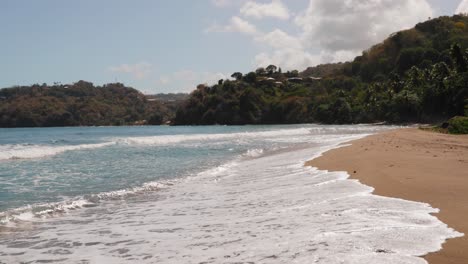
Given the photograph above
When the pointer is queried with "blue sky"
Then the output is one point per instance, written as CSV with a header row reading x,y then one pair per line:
x,y
172,45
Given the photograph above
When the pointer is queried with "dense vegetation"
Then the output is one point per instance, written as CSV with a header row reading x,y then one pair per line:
x,y
416,75
79,104
455,125
168,97
458,125
169,102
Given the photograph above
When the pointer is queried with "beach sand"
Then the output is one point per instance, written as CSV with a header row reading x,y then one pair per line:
x,y
414,165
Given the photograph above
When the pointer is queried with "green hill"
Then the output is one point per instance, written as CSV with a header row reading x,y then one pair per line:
x,y
422,46
416,75
79,104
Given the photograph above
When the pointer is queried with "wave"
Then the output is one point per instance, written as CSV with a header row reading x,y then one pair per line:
x,y
349,129
333,216
254,153
32,151
172,139
45,210
42,210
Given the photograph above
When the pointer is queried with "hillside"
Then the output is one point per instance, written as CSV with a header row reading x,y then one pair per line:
x,y
324,70
79,104
169,102
416,75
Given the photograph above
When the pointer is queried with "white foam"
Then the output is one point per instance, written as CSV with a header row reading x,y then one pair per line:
x,y
173,139
253,153
37,211
27,151
43,210
270,209
288,135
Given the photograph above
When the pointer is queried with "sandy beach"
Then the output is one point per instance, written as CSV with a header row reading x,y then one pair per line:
x,y
415,165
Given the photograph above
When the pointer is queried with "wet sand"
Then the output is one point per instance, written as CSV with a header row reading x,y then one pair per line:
x,y
414,165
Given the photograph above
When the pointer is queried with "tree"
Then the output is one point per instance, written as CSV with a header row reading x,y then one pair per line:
x,y
413,76
260,71
81,103
292,74
405,107
271,69
237,76
251,77
458,58
251,104
409,58
155,119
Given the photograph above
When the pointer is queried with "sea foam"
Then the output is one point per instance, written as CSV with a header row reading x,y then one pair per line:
x,y
264,209
42,211
33,151
174,139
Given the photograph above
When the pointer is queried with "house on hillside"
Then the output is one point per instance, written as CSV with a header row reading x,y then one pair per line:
x,y
312,79
295,80
266,80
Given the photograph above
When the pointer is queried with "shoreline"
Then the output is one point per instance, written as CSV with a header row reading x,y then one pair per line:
x,y
414,165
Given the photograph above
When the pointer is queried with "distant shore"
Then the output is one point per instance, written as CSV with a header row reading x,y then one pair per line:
x,y
414,165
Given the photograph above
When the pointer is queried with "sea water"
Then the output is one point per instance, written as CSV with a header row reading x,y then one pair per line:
x,y
198,195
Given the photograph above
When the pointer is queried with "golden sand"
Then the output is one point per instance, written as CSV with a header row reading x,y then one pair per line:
x,y
414,165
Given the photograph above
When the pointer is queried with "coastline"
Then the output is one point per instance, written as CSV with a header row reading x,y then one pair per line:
x,y
414,165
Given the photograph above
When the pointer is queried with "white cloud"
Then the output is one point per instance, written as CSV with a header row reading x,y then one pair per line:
x,y
274,9
138,71
279,39
337,30
339,56
288,59
285,50
236,24
462,7
187,80
354,25
327,30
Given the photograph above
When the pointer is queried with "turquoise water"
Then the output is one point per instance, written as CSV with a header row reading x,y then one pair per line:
x,y
35,168
212,194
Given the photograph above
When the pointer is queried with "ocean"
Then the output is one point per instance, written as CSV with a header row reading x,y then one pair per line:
x,y
214,194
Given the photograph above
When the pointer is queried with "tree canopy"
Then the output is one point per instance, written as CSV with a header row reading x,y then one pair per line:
x,y
78,104
416,75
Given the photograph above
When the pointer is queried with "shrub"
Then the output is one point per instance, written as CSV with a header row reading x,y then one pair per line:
x,y
458,125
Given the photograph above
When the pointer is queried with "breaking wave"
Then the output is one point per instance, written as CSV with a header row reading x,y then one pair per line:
x,y
43,210
172,139
32,151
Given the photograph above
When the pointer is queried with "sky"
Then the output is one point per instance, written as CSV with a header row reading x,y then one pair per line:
x,y
169,46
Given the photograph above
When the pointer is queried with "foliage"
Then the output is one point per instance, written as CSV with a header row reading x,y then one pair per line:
x,y
79,104
458,125
416,75
425,44
324,70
